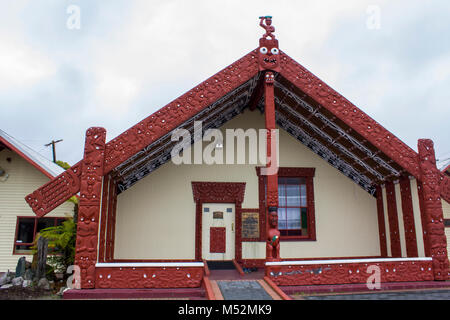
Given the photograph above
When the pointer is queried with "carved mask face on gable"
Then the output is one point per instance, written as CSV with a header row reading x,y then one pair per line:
x,y
268,55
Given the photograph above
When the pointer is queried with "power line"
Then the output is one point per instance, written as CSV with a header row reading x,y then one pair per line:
x,y
53,147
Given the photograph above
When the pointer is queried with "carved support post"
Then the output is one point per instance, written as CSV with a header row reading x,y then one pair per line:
x,y
111,221
272,165
381,223
89,207
408,217
435,239
271,170
394,230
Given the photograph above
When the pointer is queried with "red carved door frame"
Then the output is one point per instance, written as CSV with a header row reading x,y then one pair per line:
x,y
218,192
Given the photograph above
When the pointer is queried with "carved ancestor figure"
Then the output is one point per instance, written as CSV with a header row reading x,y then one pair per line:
x,y
267,26
273,237
268,51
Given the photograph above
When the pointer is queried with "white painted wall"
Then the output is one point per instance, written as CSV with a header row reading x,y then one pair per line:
x,y
446,210
417,219
23,179
156,217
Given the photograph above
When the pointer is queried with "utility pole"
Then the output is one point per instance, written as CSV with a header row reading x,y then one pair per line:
x,y
53,147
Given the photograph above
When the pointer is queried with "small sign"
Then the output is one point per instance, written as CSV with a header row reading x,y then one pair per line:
x,y
250,225
217,215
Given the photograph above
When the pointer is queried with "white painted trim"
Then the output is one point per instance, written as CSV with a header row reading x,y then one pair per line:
x,y
309,262
148,264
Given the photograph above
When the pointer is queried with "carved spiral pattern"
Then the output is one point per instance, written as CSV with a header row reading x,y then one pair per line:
x,y
319,274
139,278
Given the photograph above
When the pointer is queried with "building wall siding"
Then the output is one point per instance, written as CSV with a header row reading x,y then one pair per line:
x,y
23,179
446,210
156,216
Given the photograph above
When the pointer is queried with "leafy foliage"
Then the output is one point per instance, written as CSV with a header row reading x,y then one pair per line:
x,y
61,244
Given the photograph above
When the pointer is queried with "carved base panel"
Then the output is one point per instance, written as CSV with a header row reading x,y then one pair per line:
x,y
148,277
348,273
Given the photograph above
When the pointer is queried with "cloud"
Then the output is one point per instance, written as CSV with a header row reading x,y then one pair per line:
x,y
129,59
22,66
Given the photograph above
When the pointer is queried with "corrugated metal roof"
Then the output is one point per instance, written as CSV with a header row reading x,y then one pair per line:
x,y
30,155
443,164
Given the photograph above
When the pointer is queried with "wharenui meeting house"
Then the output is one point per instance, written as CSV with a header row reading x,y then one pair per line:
x,y
299,182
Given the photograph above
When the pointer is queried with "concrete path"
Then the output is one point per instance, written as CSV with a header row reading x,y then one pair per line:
x,y
443,294
243,290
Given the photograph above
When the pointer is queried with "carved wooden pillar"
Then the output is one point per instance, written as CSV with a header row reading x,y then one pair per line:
x,y
271,170
436,240
103,219
408,217
111,221
89,206
269,62
381,223
272,165
394,230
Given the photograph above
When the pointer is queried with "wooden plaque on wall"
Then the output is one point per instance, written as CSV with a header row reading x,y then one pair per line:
x,y
250,225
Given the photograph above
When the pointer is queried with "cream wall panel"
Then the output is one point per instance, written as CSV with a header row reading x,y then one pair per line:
x,y
401,224
386,222
253,250
158,211
446,209
23,179
417,219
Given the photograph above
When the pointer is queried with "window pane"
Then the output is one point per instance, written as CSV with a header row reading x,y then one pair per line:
x,y
303,195
293,195
25,232
45,223
293,218
281,195
292,181
304,221
282,218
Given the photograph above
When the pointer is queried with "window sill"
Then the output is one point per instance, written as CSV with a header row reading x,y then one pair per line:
x,y
296,238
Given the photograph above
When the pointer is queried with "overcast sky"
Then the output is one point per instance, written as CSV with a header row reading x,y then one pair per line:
x,y
128,58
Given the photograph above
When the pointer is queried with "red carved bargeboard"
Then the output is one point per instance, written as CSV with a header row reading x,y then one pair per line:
x,y
61,188
217,240
168,118
148,277
55,192
89,205
436,241
350,114
318,274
